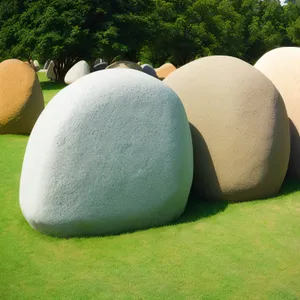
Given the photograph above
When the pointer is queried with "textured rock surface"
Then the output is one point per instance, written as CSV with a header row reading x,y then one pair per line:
x,y
50,71
80,69
111,153
21,98
239,126
149,70
100,66
282,68
125,65
165,70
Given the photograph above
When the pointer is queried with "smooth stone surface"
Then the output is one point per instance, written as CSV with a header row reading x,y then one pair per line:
x,y
80,69
124,64
165,70
149,70
239,126
50,71
282,68
111,153
21,97
100,66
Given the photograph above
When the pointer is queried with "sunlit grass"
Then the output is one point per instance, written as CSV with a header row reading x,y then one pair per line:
x,y
214,251
50,88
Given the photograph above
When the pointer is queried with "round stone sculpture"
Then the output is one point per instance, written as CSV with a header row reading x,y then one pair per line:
x,y
165,70
149,70
282,68
50,71
80,69
21,97
239,127
124,64
111,153
100,66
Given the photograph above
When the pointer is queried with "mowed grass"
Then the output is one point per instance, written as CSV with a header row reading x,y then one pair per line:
x,y
50,88
214,251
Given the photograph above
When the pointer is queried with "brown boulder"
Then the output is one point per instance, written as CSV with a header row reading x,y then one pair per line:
x,y
165,70
239,127
21,97
282,68
125,65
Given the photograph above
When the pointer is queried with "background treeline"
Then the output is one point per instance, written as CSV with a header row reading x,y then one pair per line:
x,y
153,31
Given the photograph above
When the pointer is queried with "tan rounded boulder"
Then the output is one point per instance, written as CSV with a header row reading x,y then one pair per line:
x,y
165,70
21,97
282,67
125,65
239,126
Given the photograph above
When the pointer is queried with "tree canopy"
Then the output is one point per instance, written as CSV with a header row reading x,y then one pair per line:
x,y
153,31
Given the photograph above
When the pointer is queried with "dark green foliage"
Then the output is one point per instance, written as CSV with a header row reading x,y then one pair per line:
x,y
152,31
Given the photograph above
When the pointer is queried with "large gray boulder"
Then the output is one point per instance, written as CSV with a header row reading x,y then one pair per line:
x,y
111,153
80,69
239,126
50,71
149,70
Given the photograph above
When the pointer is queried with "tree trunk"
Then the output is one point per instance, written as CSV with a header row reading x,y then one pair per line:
x,y
61,67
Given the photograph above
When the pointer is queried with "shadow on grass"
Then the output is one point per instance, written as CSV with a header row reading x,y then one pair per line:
x,y
289,186
197,209
51,85
198,206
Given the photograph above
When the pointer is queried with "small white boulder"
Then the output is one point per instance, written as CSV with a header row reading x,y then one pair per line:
x,y
50,71
36,65
80,69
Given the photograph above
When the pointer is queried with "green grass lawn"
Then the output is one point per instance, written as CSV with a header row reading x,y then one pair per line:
x,y
215,251
50,88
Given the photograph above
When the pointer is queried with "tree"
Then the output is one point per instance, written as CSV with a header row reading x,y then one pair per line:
x,y
152,31
56,30
266,29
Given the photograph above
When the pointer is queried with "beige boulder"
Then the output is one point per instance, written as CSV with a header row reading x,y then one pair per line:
x,y
282,67
239,127
165,70
21,97
125,65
